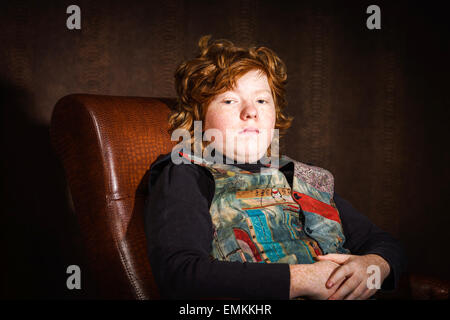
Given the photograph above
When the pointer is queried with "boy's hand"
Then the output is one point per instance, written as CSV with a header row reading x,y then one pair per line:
x,y
320,273
308,280
353,273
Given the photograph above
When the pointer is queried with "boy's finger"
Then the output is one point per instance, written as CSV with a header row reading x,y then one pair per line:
x,y
366,295
337,275
347,288
358,292
335,257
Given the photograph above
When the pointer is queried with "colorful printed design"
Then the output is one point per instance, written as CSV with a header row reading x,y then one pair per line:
x,y
259,217
316,177
248,247
315,206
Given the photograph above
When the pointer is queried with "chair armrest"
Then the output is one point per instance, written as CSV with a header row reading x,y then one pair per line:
x,y
418,286
427,287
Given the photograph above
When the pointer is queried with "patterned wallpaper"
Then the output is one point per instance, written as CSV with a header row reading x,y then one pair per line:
x,y
368,104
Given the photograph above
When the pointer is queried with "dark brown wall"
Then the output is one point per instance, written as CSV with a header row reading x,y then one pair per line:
x,y
370,106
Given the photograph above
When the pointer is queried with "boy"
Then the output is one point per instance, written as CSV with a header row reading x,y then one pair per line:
x,y
216,228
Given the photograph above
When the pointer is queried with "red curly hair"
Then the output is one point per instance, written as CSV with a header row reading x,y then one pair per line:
x,y
216,70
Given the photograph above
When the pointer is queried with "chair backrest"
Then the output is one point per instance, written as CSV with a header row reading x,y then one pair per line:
x,y
106,145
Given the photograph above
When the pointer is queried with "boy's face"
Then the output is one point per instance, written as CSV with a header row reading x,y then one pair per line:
x,y
245,115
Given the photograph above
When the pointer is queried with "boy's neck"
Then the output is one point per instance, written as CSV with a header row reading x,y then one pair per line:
x,y
227,160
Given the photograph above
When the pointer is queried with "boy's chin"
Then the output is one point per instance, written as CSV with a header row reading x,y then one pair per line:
x,y
249,157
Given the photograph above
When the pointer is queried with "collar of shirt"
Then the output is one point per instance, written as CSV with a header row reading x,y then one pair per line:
x,y
287,170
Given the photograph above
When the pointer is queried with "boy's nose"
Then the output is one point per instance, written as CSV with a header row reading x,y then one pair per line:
x,y
249,112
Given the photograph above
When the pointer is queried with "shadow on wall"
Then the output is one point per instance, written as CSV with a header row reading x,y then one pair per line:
x,y
40,232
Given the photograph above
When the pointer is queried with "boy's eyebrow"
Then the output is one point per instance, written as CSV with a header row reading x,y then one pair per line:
x,y
256,91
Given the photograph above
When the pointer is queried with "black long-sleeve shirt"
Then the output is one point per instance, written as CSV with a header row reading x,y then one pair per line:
x,y
179,235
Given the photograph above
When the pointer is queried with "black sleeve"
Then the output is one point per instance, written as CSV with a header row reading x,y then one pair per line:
x,y
364,237
179,236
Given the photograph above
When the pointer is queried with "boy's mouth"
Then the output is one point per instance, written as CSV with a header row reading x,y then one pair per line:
x,y
250,130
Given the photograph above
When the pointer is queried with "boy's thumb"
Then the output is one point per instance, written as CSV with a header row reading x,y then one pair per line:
x,y
338,258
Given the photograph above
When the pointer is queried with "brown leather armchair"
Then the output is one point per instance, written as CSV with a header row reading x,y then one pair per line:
x,y
106,145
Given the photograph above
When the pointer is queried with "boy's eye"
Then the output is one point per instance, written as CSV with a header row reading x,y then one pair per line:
x,y
228,101
261,101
